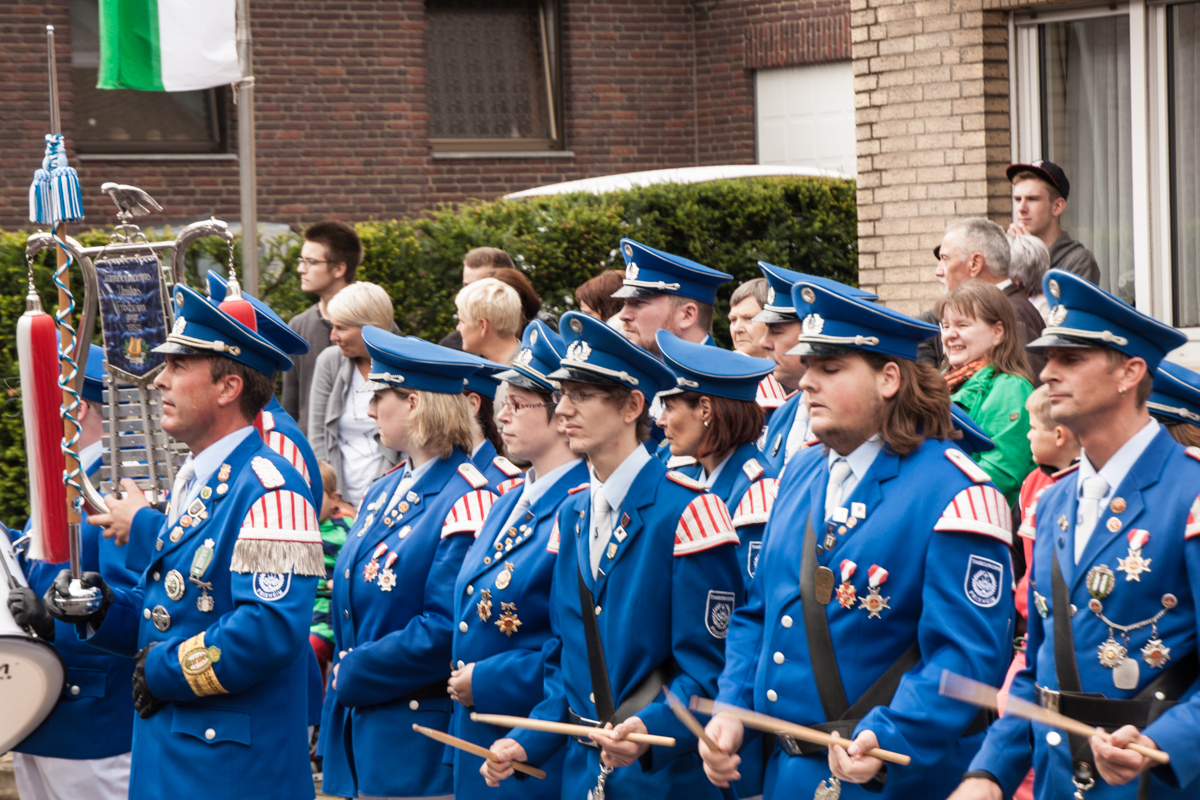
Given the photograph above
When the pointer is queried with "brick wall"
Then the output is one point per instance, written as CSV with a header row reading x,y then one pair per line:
x,y
342,114
931,94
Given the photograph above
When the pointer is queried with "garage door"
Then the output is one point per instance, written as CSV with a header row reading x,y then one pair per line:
x,y
804,116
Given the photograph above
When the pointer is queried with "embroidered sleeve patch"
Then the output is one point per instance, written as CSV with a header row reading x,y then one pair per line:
x,y
1193,520
705,523
978,509
268,474
280,534
718,611
196,661
507,486
963,461
471,475
287,448
685,481
507,467
755,505
552,545
753,469
469,513
983,581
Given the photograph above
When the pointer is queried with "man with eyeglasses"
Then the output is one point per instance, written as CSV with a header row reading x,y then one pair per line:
x,y
505,578
645,582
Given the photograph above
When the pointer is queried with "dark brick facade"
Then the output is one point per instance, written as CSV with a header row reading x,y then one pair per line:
x,y
342,109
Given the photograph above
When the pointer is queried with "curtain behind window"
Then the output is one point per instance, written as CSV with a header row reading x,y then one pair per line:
x,y
1185,158
1087,131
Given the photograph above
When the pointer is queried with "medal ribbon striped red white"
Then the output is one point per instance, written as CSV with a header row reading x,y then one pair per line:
x,y
391,559
380,549
847,568
876,576
1138,538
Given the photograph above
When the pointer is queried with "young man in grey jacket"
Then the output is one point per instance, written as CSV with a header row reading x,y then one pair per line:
x,y
1040,192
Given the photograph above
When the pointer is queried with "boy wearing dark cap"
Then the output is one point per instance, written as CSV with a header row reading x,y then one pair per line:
x,y
1040,192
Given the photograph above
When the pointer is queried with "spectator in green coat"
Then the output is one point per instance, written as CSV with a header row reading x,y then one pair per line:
x,y
989,377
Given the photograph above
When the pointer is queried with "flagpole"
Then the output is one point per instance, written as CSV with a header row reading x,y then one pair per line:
x,y
246,154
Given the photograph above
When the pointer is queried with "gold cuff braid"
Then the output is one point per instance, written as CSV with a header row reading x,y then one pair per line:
x,y
197,661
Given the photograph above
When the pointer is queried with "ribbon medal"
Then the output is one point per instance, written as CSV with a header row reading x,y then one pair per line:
x,y
1134,565
846,594
505,577
484,607
873,602
371,570
201,561
387,578
508,622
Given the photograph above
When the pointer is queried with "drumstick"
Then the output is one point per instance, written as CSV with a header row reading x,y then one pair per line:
x,y
689,720
980,694
762,722
474,749
581,731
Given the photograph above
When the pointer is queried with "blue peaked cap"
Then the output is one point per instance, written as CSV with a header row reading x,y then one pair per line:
x,y
486,379
93,376
203,329
595,352
710,370
779,307
1084,315
541,351
650,272
270,324
411,363
974,438
1175,397
833,321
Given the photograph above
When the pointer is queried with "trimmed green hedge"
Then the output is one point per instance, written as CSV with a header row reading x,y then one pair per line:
x,y
805,224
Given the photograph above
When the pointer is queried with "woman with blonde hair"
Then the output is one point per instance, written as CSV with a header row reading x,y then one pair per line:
x,y
989,377
339,427
393,586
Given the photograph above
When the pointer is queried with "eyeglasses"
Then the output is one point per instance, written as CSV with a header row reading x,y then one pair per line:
x,y
575,397
311,262
514,407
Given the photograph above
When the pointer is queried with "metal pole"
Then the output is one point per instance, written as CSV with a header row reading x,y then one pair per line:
x,y
246,155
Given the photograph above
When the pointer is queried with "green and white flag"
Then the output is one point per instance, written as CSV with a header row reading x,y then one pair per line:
x,y
167,45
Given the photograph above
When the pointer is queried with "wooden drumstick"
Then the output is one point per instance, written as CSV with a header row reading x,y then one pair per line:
x,y
762,722
985,696
567,729
689,720
469,747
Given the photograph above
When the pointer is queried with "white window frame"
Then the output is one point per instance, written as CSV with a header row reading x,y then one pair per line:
x,y
1150,138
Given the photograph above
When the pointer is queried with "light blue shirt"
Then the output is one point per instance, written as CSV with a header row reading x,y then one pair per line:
x,y
622,478
411,476
860,461
709,480
207,462
1116,468
533,490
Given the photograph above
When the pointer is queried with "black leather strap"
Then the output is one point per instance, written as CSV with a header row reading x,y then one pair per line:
x,y
816,627
431,691
1067,668
601,689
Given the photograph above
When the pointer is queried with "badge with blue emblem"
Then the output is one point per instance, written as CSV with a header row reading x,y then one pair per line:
x,y
271,586
752,558
983,581
717,613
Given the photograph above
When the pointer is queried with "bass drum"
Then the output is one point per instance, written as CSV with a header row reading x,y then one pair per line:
x,y
31,673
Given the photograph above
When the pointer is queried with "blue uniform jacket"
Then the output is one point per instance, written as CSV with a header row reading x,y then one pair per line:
x,y
232,724
397,641
1159,495
94,714
923,518
778,427
502,475
284,437
664,596
507,678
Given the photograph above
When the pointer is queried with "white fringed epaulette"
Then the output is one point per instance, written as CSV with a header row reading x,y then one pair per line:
x,y
705,523
472,475
268,474
675,462
287,448
686,482
978,509
507,467
280,534
507,486
469,513
755,505
268,420
963,461
753,469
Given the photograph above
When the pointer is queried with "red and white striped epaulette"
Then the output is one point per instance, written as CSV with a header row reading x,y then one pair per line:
x,y
268,421
469,513
507,486
1028,528
753,469
770,393
705,523
578,488
755,505
978,509
963,461
552,545
279,534
287,448
686,482
507,467
1193,520
472,475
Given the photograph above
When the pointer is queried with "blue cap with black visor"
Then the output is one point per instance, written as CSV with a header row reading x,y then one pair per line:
x,y
406,362
203,329
711,371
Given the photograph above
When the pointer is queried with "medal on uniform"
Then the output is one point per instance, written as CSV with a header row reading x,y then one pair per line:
x,y
174,584
1134,565
508,622
205,493
505,577
161,618
1111,652
874,603
224,472
846,593
371,570
222,488
197,509
201,561
828,790
1039,602
484,607
413,498
1100,581
823,583
387,578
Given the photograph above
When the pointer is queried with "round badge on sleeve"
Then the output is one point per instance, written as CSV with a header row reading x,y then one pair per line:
x,y
271,586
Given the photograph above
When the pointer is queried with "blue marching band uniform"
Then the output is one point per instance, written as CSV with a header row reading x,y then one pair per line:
x,y
747,586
